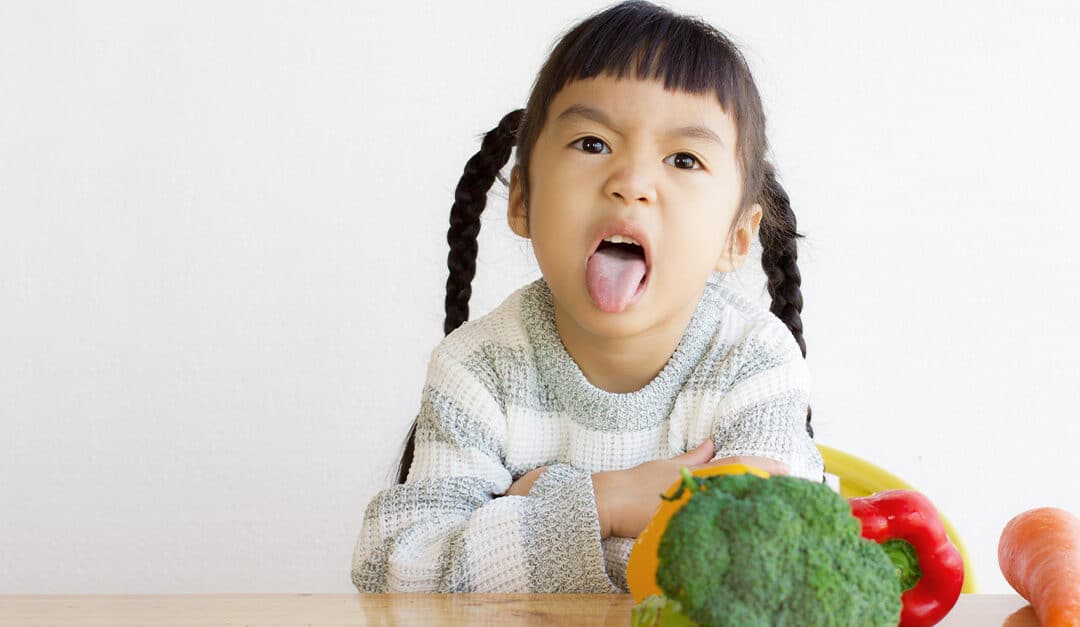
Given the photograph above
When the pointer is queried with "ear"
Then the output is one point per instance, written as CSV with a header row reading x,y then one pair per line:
x,y
517,214
731,259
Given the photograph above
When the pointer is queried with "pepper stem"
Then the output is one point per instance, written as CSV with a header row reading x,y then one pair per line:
x,y
688,480
905,559
689,483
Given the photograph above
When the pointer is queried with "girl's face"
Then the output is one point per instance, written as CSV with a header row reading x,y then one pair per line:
x,y
627,156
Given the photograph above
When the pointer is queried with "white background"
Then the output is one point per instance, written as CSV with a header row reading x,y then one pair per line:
x,y
222,261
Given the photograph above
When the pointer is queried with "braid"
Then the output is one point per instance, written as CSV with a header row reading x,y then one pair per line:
x,y
470,197
778,258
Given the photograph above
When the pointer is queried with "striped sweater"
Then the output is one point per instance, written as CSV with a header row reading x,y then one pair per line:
x,y
502,397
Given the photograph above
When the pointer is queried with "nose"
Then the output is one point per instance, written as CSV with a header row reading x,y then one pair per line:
x,y
632,179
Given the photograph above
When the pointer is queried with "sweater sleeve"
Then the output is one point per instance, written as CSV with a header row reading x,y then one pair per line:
x,y
447,529
764,413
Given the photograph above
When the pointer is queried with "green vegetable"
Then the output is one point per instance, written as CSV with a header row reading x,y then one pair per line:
x,y
658,611
747,551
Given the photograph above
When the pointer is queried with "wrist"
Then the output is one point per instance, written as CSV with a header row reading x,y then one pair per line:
x,y
602,490
525,483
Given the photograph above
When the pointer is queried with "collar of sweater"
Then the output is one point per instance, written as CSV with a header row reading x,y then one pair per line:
x,y
599,409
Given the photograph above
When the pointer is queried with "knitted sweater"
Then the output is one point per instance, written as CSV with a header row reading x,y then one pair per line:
x,y
502,397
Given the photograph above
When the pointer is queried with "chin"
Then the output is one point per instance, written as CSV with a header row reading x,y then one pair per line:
x,y
632,321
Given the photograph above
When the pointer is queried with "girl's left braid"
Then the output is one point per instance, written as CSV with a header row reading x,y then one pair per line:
x,y
779,256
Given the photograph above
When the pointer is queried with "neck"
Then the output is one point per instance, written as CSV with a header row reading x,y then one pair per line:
x,y
624,364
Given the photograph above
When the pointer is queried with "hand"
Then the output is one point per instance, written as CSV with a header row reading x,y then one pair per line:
x,y
771,466
627,499
525,482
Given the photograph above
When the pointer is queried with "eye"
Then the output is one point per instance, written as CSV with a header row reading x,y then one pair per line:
x,y
684,157
591,145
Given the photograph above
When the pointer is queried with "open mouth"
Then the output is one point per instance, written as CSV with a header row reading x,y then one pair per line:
x,y
617,275
628,247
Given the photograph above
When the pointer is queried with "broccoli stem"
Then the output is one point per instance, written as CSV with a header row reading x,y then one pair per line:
x,y
903,556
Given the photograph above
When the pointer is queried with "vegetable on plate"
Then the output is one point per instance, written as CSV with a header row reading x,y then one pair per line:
x,y
744,549
730,545
909,528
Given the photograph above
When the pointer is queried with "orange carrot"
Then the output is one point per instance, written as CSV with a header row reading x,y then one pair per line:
x,y
1039,554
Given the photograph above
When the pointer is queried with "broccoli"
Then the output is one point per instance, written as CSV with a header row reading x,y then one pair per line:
x,y
778,551
660,611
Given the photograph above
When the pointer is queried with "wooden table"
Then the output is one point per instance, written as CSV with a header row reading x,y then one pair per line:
x,y
394,609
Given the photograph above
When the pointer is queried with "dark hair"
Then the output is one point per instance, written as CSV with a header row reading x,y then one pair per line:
x,y
651,43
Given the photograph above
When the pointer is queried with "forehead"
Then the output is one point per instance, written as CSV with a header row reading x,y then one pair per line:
x,y
641,105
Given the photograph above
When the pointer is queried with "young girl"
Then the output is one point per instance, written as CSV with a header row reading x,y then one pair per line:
x,y
548,428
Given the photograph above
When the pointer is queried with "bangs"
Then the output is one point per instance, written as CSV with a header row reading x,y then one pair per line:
x,y
643,41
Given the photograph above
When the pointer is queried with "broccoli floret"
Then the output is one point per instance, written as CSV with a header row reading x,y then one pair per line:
x,y
749,551
658,611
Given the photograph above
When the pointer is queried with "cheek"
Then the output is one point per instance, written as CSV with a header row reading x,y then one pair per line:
x,y
700,240
560,207
700,230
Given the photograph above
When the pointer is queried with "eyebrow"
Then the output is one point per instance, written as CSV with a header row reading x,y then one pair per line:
x,y
697,131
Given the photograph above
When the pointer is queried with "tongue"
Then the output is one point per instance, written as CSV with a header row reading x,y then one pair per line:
x,y
613,275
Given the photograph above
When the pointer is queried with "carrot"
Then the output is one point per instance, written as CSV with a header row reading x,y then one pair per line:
x,y
1039,555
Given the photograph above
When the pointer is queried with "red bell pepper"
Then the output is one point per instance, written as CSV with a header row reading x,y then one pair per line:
x,y
909,528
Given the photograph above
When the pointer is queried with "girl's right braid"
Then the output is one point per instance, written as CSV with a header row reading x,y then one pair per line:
x,y
470,197
779,256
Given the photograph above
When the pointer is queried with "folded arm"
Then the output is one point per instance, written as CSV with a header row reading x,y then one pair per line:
x,y
447,529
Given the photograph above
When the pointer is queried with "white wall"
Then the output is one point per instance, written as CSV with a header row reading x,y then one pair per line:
x,y
222,261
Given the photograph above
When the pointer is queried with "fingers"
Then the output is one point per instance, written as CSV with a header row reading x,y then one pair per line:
x,y
771,466
699,455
